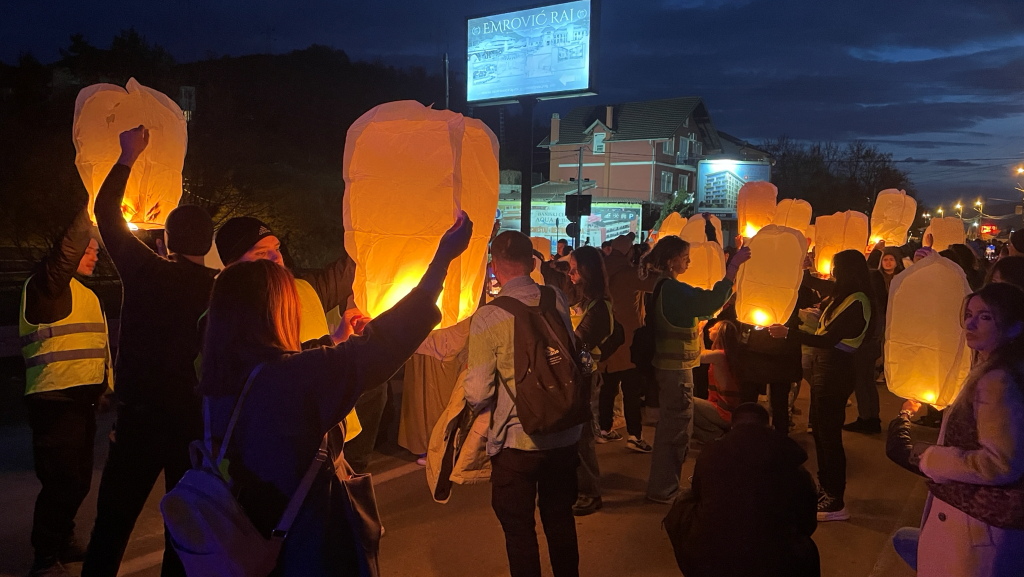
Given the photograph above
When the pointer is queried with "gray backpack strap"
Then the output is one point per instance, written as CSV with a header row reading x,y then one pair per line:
x,y
234,416
295,503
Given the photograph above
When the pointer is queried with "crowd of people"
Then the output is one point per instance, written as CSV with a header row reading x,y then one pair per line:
x,y
247,354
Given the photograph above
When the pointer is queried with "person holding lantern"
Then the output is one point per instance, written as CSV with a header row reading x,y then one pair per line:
x,y
843,327
973,522
159,413
678,309
297,397
63,332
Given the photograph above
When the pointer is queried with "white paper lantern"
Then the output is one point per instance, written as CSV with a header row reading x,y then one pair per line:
x,y
694,231
926,355
945,232
755,207
707,265
794,213
835,233
892,216
768,284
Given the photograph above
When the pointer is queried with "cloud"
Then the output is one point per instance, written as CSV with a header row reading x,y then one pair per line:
x,y
927,144
954,163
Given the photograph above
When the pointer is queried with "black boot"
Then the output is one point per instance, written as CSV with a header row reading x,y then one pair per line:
x,y
866,426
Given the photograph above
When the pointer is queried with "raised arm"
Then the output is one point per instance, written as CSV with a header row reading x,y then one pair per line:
x,y
52,277
128,253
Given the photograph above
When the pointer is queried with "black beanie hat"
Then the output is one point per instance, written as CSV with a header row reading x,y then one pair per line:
x,y
238,235
189,230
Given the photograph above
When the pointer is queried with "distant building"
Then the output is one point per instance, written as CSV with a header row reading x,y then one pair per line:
x,y
721,189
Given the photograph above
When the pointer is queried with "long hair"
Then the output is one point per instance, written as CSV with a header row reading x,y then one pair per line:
x,y
1007,302
253,316
1010,269
593,285
728,340
850,270
895,253
667,249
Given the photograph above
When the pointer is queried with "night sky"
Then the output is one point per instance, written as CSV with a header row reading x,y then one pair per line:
x,y
939,82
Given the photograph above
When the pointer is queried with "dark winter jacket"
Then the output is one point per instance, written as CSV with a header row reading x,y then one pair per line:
x,y
756,508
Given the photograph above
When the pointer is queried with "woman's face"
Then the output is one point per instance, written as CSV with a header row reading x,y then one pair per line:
x,y
680,263
574,273
983,333
888,263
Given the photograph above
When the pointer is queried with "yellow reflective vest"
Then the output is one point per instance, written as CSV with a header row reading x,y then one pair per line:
x,y
850,345
313,325
70,352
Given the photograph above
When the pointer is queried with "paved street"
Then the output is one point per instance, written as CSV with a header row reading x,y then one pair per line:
x,y
464,538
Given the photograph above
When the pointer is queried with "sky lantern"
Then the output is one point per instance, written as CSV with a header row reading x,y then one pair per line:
x,y
794,213
102,113
693,232
408,171
767,285
542,245
672,225
835,233
926,355
707,265
945,231
755,207
809,233
892,216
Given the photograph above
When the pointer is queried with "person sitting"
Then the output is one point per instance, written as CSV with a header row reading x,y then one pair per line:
x,y
297,397
751,490
712,417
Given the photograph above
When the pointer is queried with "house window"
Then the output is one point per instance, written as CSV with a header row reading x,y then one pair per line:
x,y
666,181
684,183
599,143
698,149
668,147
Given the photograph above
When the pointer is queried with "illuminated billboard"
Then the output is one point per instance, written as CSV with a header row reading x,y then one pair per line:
x,y
542,51
606,221
719,182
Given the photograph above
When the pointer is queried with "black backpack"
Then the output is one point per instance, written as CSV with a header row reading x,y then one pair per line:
x,y
641,350
553,394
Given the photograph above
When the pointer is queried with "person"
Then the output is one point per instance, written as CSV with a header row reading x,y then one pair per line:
x,y
1008,269
752,491
1016,244
677,309
246,239
158,413
890,265
63,333
298,396
562,248
524,466
973,521
971,264
868,419
842,330
592,321
617,370
712,416
606,247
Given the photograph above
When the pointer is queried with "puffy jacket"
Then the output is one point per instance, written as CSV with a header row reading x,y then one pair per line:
x,y
458,446
625,289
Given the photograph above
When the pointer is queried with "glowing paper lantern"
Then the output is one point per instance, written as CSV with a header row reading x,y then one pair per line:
x,y
892,216
694,233
794,213
836,233
926,355
102,113
755,207
768,284
707,265
809,233
672,225
409,170
945,231
542,245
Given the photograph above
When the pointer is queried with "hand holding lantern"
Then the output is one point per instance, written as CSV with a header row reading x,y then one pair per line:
x,y
133,143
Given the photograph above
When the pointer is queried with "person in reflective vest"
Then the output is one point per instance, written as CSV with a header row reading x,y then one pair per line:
x,y
63,337
246,239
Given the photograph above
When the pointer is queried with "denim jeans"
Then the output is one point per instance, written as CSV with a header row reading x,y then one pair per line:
x,y
672,435
588,473
905,543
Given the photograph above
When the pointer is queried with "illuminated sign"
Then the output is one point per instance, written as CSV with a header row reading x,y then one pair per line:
x,y
605,222
719,183
539,51
989,229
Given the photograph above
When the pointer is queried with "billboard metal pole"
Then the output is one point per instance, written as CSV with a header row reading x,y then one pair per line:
x,y
526,195
579,196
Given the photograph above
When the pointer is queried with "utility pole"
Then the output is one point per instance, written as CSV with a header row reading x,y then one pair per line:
x,y
579,196
526,195
447,91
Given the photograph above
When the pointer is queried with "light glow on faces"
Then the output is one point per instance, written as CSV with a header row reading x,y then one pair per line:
x,y
268,248
680,263
982,330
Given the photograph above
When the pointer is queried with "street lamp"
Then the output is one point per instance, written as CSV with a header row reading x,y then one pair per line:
x,y
940,211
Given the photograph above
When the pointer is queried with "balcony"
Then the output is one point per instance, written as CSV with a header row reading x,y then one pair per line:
x,y
687,159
